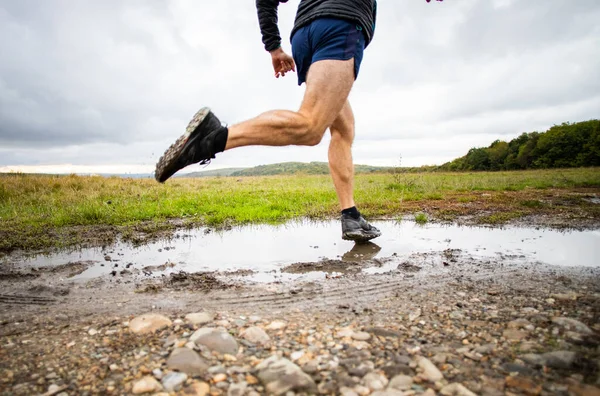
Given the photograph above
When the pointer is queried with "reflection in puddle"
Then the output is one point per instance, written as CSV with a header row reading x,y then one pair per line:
x,y
265,250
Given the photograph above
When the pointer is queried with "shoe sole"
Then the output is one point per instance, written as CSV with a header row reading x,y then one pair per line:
x,y
359,237
168,160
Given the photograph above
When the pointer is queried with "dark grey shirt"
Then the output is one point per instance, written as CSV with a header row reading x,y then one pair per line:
x,y
362,12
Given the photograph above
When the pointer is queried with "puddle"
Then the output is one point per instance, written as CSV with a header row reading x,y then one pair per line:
x,y
264,250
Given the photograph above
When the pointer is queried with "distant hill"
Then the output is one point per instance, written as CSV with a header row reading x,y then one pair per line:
x,y
284,168
212,173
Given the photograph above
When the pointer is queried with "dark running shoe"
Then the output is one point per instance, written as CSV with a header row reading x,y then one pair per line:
x,y
358,230
196,145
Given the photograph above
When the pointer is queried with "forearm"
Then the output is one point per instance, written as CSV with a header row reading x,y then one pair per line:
x,y
267,19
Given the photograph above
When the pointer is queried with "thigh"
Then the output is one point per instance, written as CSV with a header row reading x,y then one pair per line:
x,y
327,88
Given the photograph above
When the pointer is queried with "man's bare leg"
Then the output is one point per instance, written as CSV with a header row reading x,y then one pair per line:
x,y
340,156
328,85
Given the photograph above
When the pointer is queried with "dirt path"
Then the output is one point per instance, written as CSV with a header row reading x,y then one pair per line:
x,y
440,323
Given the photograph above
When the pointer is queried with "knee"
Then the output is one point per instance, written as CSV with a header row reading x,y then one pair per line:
x,y
314,136
345,135
314,133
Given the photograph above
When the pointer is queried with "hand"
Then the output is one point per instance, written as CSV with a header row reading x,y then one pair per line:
x,y
282,62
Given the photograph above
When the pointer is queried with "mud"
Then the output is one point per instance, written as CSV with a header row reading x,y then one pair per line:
x,y
303,273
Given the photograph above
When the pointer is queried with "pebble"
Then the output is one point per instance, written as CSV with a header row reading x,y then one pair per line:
x,y
518,324
199,318
362,390
456,389
146,385
277,325
345,391
256,335
361,336
237,389
414,315
219,378
345,332
279,376
173,381
401,382
196,389
524,384
148,323
375,381
556,359
157,373
572,324
430,371
215,339
514,335
187,361
388,392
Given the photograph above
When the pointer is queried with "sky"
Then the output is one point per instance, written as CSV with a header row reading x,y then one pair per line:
x,y
106,86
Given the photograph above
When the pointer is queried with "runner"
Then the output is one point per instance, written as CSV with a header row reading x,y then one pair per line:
x,y
328,40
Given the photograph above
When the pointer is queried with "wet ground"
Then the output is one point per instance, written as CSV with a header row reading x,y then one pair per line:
x,y
291,252
304,274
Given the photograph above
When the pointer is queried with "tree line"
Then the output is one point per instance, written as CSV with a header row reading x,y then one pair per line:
x,y
562,146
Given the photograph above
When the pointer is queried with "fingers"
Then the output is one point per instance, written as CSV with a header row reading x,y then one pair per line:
x,y
284,66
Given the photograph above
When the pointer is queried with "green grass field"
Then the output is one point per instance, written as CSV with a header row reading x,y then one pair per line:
x,y
35,208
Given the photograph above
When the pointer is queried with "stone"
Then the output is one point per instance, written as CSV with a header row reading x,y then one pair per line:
x,y
187,361
215,339
414,315
256,335
517,368
146,385
362,390
556,359
401,382
345,332
361,336
430,371
310,367
279,376
196,389
199,318
148,323
456,389
277,325
572,324
237,389
584,390
518,324
173,381
375,381
485,349
524,384
157,373
514,335
388,392
565,296
219,378
345,391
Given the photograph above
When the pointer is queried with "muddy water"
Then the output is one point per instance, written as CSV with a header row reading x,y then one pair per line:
x,y
265,250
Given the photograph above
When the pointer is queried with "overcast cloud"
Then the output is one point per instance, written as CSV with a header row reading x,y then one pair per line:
x,y
108,85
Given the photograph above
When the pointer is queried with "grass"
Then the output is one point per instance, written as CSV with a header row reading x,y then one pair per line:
x,y
420,218
45,211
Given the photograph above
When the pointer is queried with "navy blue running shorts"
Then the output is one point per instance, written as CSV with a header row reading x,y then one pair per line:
x,y
327,38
